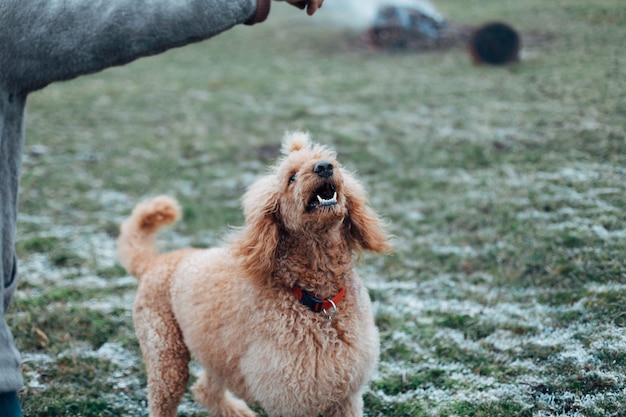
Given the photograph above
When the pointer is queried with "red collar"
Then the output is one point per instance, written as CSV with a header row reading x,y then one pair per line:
x,y
317,305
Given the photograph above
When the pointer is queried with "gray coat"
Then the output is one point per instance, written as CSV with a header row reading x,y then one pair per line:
x,y
43,41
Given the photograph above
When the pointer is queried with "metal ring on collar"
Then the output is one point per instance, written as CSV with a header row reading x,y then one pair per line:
x,y
334,313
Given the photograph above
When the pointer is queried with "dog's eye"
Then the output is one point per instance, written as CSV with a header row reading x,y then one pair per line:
x,y
292,178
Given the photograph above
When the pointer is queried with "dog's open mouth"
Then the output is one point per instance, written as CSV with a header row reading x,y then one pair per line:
x,y
324,196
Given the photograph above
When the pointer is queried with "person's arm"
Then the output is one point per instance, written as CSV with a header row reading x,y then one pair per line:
x,y
42,41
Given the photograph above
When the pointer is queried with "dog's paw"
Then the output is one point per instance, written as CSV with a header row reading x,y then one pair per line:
x,y
234,407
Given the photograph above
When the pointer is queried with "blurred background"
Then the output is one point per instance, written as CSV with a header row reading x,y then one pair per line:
x,y
503,184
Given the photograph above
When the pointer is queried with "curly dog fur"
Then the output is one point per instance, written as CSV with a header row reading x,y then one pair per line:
x,y
234,309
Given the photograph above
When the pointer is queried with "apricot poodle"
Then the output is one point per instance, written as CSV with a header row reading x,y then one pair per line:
x,y
277,317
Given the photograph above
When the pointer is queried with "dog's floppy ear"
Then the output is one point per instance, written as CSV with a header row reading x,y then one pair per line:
x,y
256,245
364,229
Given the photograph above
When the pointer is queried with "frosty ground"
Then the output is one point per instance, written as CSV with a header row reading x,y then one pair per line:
x,y
503,187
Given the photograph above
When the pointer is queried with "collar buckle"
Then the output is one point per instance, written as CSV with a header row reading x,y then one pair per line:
x,y
328,307
312,302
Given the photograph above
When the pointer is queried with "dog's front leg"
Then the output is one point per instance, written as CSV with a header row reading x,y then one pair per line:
x,y
218,400
349,407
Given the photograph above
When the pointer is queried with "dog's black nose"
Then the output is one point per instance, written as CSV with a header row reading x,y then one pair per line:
x,y
324,169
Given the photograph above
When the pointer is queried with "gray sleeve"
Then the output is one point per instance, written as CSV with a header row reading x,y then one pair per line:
x,y
42,41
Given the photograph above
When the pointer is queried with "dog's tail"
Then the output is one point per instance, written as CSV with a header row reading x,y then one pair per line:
x,y
137,241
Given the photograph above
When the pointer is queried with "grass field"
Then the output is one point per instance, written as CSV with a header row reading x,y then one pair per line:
x,y
504,187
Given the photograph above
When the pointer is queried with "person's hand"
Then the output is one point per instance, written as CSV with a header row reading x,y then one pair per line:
x,y
311,5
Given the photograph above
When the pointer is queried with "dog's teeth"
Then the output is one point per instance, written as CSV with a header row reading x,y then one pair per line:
x,y
328,202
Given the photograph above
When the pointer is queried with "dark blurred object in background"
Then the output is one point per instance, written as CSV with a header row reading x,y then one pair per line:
x,y
416,28
495,43
403,26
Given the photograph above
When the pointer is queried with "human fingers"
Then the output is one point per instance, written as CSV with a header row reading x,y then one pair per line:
x,y
313,6
299,4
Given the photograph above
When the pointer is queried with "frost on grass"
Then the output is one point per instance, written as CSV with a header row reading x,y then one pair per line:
x,y
473,329
505,347
456,333
457,327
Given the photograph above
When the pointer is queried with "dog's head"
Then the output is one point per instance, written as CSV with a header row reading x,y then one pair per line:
x,y
312,200
309,195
